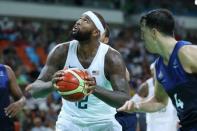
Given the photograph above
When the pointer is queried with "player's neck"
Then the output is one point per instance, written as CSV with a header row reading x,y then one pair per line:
x,y
167,45
87,47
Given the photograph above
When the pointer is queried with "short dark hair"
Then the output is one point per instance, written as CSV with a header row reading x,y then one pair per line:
x,y
107,31
161,19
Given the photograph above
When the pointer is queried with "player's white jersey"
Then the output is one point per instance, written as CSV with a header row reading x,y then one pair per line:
x,y
166,116
90,109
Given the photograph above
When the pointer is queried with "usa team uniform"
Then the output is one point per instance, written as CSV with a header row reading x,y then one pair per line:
x,y
90,114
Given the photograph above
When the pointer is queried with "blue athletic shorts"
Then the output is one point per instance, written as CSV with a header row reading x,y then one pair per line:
x,y
128,121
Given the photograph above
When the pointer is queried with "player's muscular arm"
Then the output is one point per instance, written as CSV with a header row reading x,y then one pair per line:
x,y
55,61
188,58
115,70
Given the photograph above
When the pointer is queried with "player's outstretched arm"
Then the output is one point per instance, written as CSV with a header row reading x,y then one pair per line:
x,y
16,93
141,93
115,73
153,104
55,61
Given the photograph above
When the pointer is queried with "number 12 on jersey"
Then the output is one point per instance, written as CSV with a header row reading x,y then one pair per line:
x,y
82,104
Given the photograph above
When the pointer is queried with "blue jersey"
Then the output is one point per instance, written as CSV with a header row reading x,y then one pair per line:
x,y
6,123
4,91
179,85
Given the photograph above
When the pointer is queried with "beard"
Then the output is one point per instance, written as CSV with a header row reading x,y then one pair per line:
x,y
81,36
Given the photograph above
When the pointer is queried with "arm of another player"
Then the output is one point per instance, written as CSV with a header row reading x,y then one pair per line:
x,y
141,93
115,69
153,104
16,93
143,89
55,61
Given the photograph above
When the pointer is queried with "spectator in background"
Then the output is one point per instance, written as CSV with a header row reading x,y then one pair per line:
x,y
38,125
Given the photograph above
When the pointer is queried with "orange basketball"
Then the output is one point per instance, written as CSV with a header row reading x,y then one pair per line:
x,y
71,87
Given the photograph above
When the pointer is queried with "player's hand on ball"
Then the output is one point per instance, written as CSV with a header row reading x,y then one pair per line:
x,y
129,107
73,84
90,83
58,76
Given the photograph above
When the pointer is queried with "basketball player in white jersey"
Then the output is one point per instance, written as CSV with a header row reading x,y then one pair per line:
x,y
164,120
96,111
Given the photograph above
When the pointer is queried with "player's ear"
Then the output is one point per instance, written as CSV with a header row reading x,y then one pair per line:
x,y
96,33
106,40
154,33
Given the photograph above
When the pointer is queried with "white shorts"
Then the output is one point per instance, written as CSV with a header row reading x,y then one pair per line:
x,y
165,126
66,125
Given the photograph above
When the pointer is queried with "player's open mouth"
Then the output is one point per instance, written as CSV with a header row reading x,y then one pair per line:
x,y
75,29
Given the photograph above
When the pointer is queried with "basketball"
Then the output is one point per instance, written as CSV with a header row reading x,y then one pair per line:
x,y
72,86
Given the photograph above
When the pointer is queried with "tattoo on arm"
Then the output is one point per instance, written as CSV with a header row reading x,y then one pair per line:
x,y
115,73
55,61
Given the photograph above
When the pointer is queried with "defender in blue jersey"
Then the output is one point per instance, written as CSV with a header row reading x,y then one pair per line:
x,y
9,87
176,70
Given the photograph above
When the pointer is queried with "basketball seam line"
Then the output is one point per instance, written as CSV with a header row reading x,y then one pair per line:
x,y
80,88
